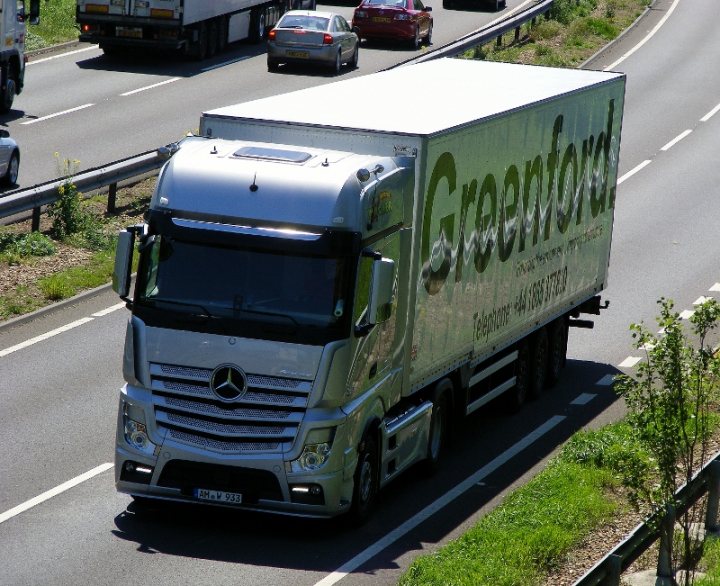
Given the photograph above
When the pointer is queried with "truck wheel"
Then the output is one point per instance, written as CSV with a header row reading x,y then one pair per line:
x,y
367,480
515,398
538,362
8,95
213,38
438,427
199,49
557,350
258,24
11,175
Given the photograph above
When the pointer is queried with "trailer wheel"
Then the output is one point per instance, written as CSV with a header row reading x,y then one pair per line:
x,y
258,25
366,480
538,362
557,350
516,397
213,37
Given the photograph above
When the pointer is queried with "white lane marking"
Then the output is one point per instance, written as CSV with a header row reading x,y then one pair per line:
x,y
583,399
149,87
439,504
687,314
44,336
630,361
223,64
60,330
109,310
701,300
606,381
70,111
710,114
715,287
675,140
629,174
54,492
646,39
35,62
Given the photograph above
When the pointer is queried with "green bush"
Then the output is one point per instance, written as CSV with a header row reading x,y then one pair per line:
x,y
18,246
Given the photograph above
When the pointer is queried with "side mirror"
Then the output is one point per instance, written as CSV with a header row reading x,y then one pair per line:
x,y
123,263
381,292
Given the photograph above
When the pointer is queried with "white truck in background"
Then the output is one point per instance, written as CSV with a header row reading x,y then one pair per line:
x,y
198,28
12,54
320,294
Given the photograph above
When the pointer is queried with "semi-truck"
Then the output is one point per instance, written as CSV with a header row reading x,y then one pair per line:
x,y
13,20
197,28
329,279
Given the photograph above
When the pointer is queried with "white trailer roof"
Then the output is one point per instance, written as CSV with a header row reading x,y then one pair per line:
x,y
453,92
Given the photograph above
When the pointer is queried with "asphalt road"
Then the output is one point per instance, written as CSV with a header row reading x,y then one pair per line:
x,y
60,369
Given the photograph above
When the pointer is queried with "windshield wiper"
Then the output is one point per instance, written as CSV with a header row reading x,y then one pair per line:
x,y
203,313
285,316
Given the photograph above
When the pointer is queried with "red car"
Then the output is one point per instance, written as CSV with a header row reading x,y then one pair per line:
x,y
407,20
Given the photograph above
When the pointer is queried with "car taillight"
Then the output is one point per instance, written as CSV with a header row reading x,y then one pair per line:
x,y
327,39
271,35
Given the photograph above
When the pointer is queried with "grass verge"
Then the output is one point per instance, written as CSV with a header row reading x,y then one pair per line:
x,y
57,25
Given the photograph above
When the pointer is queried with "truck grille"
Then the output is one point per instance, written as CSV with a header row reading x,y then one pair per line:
x,y
264,419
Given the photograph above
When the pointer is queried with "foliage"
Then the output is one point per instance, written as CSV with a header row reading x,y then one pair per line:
x,y
14,247
70,281
670,400
517,543
66,212
57,25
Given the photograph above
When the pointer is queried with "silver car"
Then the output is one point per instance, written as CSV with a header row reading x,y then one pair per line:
x,y
9,159
310,36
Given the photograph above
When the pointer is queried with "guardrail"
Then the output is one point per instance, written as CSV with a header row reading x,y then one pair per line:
x,y
108,175
608,570
34,198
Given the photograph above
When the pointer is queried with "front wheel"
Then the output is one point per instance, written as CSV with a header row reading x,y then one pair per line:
x,y
11,175
366,480
438,427
428,36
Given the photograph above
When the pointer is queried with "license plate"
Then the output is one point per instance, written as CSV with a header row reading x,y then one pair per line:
x,y
381,19
129,33
298,54
218,496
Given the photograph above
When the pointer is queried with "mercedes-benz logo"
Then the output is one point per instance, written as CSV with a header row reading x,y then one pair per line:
x,y
228,382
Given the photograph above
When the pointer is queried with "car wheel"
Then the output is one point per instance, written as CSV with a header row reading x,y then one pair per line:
x,y
337,66
355,57
428,36
11,175
272,65
415,42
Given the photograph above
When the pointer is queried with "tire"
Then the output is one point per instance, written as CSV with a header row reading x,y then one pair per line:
x,y
515,398
538,363
557,350
213,38
337,66
428,36
366,480
8,95
416,40
356,56
199,49
448,4
438,436
258,25
11,175
272,65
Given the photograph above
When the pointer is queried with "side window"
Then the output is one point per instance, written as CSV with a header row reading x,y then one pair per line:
x,y
419,5
362,290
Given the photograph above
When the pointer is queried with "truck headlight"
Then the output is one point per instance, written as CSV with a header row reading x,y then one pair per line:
x,y
136,434
316,451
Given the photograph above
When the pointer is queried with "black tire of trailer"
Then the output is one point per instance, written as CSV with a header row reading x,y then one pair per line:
x,y
213,37
258,24
198,49
438,437
9,89
557,350
538,362
366,481
516,397
223,24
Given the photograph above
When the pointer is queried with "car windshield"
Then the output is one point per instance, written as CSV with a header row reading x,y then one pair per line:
x,y
395,3
256,287
304,22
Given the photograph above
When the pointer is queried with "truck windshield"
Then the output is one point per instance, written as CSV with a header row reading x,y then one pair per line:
x,y
249,289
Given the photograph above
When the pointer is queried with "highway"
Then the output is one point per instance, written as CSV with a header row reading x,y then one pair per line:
x,y
61,521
